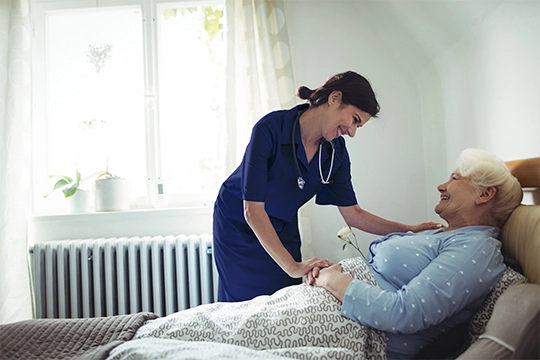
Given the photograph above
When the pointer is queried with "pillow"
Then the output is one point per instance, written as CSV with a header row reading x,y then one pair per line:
x,y
478,322
511,334
454,342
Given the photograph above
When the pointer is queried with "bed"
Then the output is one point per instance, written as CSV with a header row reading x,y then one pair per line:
x,y
300,322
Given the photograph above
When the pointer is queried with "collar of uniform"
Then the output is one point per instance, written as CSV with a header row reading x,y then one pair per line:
x,y
288,122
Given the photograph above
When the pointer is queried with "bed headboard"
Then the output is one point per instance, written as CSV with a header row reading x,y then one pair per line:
x,y
520,234
527,171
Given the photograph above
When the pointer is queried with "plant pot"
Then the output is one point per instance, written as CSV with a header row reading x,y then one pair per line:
x,y
112,194
79,202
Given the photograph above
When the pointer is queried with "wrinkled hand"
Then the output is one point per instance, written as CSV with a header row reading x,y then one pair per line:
x,y
318,276
303,268
426,226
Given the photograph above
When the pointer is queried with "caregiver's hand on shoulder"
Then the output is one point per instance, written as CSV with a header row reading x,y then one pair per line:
x,y
300,269
425,226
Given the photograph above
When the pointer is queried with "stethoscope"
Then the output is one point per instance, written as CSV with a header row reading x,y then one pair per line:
x,y
300,180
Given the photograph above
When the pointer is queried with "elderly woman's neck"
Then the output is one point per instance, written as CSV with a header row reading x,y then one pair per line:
x,y
480,221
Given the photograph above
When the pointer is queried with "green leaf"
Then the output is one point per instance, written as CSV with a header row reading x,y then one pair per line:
x,y
343,248
67,178
61,183
70,190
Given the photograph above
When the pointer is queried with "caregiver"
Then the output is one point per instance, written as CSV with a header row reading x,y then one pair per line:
x,y
292,156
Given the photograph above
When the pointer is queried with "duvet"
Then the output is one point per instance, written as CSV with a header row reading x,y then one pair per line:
x,y
301,322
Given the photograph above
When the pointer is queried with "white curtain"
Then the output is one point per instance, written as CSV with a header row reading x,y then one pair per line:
x,y
260,65
259,68
15,110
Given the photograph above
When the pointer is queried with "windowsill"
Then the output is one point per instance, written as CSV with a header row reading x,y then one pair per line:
x,y
139,222
133,214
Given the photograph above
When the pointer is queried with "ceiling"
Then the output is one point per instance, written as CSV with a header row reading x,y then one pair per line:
x,y
416,31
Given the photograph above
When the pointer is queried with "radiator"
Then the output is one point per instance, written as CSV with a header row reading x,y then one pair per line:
x,y
116,276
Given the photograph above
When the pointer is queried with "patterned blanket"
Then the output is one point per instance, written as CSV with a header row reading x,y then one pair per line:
x,y
295,322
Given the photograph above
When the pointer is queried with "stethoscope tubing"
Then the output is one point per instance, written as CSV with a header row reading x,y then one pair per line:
x,y
300,180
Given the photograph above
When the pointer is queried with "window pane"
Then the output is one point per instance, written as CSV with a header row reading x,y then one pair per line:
x,y
95,87
192,98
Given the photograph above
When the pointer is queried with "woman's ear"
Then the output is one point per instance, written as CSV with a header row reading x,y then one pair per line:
x,y
335,97
486,195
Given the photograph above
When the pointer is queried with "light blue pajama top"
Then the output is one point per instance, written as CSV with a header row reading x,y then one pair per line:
x,y
429,282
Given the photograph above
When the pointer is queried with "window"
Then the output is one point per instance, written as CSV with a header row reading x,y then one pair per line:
x,y
136,90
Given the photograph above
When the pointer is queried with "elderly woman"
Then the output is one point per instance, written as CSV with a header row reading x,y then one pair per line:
x,y
432,281
413,288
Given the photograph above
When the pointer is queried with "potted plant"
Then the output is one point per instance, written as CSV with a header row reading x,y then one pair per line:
x,y
112,193
74,190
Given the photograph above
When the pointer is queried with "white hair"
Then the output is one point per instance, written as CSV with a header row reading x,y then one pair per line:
x,y
484,169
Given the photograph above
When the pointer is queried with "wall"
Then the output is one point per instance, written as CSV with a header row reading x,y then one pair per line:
x,y
491,83
483,90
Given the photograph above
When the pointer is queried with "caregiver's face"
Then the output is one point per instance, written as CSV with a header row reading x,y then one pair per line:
x,y
344,120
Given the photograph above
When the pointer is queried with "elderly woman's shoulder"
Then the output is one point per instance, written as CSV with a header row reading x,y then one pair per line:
x,y
473,235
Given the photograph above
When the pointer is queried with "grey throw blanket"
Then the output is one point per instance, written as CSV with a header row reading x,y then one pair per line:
x,y
82,339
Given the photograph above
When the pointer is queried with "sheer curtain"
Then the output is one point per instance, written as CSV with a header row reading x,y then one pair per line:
x,y
15,72
260,65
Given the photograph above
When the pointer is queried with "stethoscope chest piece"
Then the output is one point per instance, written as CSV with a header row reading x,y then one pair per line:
x,y
301,182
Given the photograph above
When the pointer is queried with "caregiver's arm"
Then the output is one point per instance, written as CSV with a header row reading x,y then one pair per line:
x,y
258,220
361,219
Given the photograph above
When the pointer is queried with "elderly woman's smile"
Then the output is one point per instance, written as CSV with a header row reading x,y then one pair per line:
x,y
457,200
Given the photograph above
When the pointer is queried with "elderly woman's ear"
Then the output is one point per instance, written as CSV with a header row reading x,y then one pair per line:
x,y
486,195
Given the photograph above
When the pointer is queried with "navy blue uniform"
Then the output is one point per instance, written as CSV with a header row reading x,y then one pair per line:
x,y
268,174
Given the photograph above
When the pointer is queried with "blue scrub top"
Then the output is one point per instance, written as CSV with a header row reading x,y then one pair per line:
x,y
268,174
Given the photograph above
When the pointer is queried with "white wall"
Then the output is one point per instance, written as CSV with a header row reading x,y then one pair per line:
x,y
483,90
491,84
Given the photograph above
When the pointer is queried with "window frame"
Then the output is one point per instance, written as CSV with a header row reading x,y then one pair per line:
x,y
153,166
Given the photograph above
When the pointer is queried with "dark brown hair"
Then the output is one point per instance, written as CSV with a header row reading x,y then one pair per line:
x,y
356,90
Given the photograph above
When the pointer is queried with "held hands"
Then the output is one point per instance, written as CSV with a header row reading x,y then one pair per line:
x,y
318,277
425,226
299,269
332,279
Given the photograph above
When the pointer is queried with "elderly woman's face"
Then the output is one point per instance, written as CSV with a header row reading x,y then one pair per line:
x,y
457,199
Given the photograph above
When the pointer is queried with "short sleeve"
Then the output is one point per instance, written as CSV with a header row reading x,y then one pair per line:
x,y
340,191
257,158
